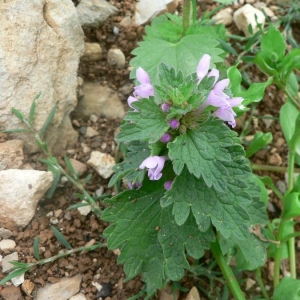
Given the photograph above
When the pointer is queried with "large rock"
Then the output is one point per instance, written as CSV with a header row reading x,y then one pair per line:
x,y
94,12
11,154
99,100
21,191
41,43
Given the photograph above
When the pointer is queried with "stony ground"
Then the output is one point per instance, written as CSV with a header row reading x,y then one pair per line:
x,y
100,267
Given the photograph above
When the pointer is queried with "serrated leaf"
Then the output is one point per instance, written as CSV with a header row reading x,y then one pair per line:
x,y
48,120
36,250
138,219
61,238
129,168
259,141
203,150
148,123
183,55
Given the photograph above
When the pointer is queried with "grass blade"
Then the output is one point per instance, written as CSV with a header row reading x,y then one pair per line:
x,y
36,250
18,114
70,167
60,237
32,108
87,179
14,274
15,130
48,121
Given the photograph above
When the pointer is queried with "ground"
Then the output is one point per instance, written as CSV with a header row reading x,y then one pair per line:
x,y
101,265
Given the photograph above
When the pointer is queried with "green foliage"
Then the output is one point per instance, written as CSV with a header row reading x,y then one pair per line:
x,y
60,237
259,141
288,288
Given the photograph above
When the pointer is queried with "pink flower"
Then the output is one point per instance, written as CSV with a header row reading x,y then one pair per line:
x,y
174,124
168,184
166,138
154,164
145,90
203,67
130,100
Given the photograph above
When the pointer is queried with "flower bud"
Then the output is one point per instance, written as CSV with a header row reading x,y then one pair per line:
x,y
174,124
165,107
166,138
168,184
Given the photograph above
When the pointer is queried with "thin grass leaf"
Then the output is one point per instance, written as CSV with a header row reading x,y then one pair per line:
x,y
18,264
102,197
227,47
77,205
18,114
54,185
14,274
70,167
60,237
48,121
36,250
32,108
15,130
87,179
80,196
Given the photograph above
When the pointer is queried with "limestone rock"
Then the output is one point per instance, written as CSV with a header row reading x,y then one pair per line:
x,y
7,244
62,290
78,296
92,52
99,100
102,163
94,12
21,191
11,293
18,280
245,16
5,233
193,294
116,57
6,265
78,166
224,16
146,10
39,52
11,154
90,132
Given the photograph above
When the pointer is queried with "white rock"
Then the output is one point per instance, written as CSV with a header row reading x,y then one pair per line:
x,y
94,12
268,120
79,167
102,163
11,154
6,265
80,83
7,244
126,21
92,52
21,191
116,57
40,51
5,233
62,290
90,132
84,210
79,296
18,280
245,16
93,118
250,283
193,294
99,100
224,16
268,12
146,10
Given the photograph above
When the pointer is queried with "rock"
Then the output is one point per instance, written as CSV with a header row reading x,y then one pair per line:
x,y
21,191
281,185
47,37
249,283
92,52
224,16
84,210
94,12
78,166
268,12
126,89
93,118
275,159
146,10
271,265
79,296
193,294
102,163
280,141
268,120
62,290
245,16
11,154
79,83
27,287
5,233
166,293
6,265
126,21
18,280
116,57
7,244
11,293
99,100
90,132
259,5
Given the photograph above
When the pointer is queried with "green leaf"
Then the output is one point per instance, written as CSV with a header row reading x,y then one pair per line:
x,y
60,237
262,64
160,256
149,122
87,179
48,121
36,250
129,168
32,108
183,55
18,114
203,151
14,274
225,1
56,178
273,46
235,78
264,196
259,141
288,288
70,167
15,130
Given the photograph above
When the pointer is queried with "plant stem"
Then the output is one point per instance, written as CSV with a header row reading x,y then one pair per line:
x,y
261,284
272,168
227,272
194,9
186,15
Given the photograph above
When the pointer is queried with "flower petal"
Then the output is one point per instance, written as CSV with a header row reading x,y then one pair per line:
x,y
203,67
130,100
235,101
226,115
216,100
214,73
221,85
150,162
142,76
144,91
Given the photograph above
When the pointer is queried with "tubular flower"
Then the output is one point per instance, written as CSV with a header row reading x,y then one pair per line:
x,y
145,90
165,107
203,67
154,164
166,138
168,184
130,100
174,124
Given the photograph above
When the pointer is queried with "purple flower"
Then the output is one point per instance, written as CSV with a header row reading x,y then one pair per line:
x,y
145,90
168,184
154,164
203,67
166,137
174,124
130,100
165,107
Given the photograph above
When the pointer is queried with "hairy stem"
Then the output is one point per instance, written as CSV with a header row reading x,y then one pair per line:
x,y
194,8
227,272
186,15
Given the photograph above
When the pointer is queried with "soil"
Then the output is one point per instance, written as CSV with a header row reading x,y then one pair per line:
x,y
101,265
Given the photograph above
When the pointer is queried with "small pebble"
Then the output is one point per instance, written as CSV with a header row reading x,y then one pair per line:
x,y
76,123
82,130
7,244
281,185
93,118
